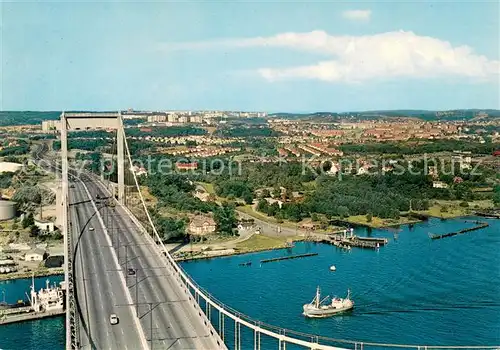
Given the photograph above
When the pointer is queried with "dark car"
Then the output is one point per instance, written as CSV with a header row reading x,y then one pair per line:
x,y
131,272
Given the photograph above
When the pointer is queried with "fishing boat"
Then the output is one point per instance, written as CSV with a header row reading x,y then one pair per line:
x,y
318,309
333,268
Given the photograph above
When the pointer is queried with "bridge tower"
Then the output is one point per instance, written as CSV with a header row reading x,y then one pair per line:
x,y
84,121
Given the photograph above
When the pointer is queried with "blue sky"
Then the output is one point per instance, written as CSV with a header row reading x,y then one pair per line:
x,y
269,56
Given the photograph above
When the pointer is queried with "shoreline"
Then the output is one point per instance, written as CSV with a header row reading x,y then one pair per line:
x,y
301,239
239,253
25,275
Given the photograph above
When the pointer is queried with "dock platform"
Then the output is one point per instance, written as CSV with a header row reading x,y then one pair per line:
x,y
28,316
345,241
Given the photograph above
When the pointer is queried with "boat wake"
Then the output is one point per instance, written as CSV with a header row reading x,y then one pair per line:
x,y
420,309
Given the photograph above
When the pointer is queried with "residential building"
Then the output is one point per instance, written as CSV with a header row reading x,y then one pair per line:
x,y
439,184
36,254
44,225
202,225
50,125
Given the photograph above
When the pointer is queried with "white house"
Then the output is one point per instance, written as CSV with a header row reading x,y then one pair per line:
x,y
44,225
439,184
202,226
36,254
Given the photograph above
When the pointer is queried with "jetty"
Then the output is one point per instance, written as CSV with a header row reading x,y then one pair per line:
x,y
487,214
479,225
347,240
289,257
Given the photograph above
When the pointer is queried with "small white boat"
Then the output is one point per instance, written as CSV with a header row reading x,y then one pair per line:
x,y
333,268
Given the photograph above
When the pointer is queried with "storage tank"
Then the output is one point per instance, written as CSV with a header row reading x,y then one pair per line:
x,y
7,210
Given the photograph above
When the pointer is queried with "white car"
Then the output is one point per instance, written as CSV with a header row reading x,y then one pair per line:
x,y
113,319
91,229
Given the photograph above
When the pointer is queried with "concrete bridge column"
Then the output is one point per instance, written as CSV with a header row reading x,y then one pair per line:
x,y
120,142
64,207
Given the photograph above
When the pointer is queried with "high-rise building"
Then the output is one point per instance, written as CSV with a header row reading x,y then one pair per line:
x,y
50,125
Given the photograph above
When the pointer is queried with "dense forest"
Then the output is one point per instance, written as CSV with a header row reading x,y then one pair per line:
x,y
175,191
21,148
496,195
384,196
84,144
378,194
6,179
8,118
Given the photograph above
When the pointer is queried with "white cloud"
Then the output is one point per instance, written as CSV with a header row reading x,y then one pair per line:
x,y
360,58
357,15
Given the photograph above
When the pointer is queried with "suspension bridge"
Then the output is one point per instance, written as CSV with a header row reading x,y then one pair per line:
x,y
116,263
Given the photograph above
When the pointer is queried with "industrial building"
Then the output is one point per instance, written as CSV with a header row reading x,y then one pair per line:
x,y
7,210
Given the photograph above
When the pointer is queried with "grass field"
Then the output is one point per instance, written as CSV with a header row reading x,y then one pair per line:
x,y
247,209
453,208
207,186
378,222
260,242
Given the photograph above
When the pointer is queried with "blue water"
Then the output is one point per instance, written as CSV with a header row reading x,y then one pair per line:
x,y
412,291
35,335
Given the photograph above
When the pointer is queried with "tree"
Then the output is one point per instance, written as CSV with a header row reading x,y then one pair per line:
x,y
314,217
225,219
34,231
28,220
496,195
343,211
265,193
276,192
262,206
248,197
369,217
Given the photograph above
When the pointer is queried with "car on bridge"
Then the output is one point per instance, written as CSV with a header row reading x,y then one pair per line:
x,y
113,319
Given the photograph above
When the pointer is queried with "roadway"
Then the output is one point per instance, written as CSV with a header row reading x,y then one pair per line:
x,y
100,290
174,322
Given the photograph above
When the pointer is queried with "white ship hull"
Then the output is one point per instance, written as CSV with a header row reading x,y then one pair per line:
x,y
317,309
312,312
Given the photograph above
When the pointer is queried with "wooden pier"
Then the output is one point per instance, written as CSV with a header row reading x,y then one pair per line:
x,y
480,225
288,257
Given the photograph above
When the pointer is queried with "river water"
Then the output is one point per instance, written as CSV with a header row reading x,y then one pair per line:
x,y
412,291
40,334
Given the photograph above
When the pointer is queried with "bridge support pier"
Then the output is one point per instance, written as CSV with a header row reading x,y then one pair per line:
x,y
120,150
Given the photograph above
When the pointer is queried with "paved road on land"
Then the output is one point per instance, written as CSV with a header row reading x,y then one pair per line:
x,y
99,286
174,322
